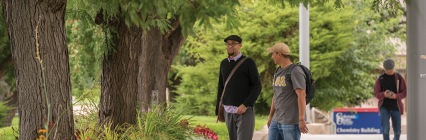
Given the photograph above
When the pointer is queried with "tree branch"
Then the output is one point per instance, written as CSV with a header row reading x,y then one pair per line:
x,y
175,23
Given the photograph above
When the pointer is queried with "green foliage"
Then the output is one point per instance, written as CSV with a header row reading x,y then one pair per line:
x,y
148,13
163,122
295,3
3,112
346,44
85,54
86,45
152,124
393,6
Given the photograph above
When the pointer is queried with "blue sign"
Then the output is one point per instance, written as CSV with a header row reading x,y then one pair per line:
x,y
365,121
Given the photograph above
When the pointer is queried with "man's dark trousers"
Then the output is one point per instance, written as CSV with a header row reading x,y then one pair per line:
x,y
240,126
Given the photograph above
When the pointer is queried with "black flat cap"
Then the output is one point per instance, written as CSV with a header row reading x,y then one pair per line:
x,y
233,37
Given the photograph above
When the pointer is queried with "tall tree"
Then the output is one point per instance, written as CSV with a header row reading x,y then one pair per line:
x,y
36,31
143,38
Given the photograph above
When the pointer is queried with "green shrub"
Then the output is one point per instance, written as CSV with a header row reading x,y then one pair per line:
x,y
161,123
153,124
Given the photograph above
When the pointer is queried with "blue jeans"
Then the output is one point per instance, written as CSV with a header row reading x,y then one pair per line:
x,y
385,115
280,131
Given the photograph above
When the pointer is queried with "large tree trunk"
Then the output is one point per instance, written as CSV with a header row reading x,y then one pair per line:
x,y
13,102
119,76
23,18
158,52
137,68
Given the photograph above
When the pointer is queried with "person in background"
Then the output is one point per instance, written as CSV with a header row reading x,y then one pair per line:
x,y
390,89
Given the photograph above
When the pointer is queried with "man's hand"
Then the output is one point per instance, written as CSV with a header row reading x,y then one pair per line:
x,y
393,96
303,127
387,95
241,109
217,118
269,123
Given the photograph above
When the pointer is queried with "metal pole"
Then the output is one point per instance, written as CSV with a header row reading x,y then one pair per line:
x,y
304,43
332,125
416,69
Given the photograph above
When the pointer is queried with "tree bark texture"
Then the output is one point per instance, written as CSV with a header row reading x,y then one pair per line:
x,y
22,18
13,102
155,60
138,66
119,76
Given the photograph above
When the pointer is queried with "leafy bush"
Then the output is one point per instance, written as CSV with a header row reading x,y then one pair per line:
x,y
152,124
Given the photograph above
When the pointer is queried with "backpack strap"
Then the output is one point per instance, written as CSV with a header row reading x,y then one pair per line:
x,y
381,78
398,82
288,73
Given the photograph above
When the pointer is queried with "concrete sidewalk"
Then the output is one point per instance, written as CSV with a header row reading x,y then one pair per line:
x,y
347,137
263,135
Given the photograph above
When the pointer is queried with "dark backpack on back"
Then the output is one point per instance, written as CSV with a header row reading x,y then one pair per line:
x,y
310,82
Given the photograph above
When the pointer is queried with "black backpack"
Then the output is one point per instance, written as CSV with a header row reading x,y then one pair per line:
x,y
310,82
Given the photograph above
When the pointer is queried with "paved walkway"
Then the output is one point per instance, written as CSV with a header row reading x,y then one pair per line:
x,y
347,137
263,135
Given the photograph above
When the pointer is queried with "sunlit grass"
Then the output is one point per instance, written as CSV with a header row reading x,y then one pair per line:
x,y
6,133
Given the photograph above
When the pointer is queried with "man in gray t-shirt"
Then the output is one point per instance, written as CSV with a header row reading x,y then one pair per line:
x,y
287,115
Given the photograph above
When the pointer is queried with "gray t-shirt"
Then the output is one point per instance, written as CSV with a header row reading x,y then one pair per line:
x,y
285,97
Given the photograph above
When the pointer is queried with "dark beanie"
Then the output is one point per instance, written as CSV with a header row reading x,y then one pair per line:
x,y
388,64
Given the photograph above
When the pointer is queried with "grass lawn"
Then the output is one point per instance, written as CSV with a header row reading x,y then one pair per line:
x,y
6,133
220,128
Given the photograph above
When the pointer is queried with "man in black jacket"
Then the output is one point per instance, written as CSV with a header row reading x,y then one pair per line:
x,y
241,91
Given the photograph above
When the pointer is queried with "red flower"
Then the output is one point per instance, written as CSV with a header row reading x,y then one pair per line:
x,y
205,131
